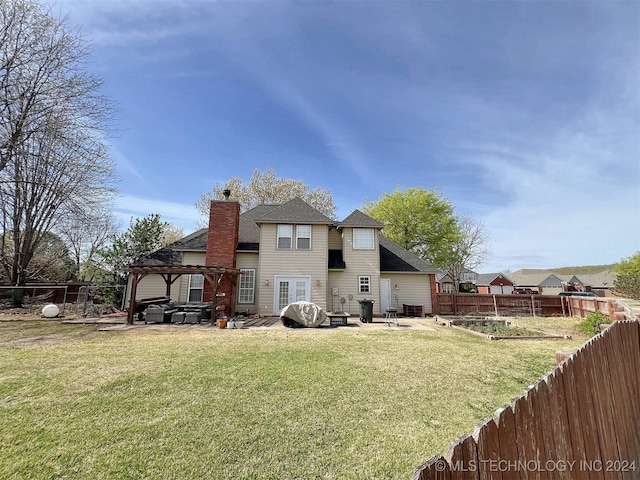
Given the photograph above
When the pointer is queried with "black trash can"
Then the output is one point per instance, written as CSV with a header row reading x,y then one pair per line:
x,y
366,311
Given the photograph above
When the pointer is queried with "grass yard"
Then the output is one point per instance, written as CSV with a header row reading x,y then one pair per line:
x,y
260,403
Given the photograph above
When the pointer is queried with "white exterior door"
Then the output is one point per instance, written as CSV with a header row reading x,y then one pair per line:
x,y
385,294
289,290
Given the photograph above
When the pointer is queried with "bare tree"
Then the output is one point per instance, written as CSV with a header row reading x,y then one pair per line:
x,y
465,251
266,188
85,234
53,122
41,71
171,233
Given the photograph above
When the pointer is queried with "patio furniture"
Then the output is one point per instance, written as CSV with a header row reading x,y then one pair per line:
x,y
412,310
159,313
302,314
391,316
143,304
192,317
338,319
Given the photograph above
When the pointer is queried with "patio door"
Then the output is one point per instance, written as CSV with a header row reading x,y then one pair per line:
x,y
289,290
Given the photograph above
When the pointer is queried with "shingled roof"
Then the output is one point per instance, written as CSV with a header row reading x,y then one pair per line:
x,y
394,258
487,278
195,242
295,210
249,231
360,220
164,256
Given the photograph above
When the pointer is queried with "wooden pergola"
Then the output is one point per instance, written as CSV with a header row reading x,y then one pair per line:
x,y
170,273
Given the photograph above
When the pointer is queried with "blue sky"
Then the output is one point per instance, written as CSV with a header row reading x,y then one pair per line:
x,y
524,114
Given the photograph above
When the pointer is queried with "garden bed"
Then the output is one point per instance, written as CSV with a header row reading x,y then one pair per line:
x,y
495,329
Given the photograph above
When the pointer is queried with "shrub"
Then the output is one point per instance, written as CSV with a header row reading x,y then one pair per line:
x,y
591,324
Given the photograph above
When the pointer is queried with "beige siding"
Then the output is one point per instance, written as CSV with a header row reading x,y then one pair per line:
x,y
305,263
149,287
358,263
188,258
249,261
335,239
413,289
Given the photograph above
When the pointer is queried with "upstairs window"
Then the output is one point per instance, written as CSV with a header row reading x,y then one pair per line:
x,y
363,238
285,234
303,237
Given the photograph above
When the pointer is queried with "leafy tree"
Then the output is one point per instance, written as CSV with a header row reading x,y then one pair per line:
x,y
420,220
53,122
627,282
144,236
51,261
266,188
424,222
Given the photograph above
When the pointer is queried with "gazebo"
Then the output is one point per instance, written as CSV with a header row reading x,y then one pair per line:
x,y
170,273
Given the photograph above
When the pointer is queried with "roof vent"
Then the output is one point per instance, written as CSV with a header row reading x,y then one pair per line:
x,y
227,193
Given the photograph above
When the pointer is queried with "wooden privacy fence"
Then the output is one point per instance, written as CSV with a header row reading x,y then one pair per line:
x,y
581,421
525,305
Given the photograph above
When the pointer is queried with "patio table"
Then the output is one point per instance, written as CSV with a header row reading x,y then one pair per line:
x,y
338,319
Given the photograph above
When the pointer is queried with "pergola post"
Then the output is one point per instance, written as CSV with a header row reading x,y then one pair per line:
x,y
132,298
215,281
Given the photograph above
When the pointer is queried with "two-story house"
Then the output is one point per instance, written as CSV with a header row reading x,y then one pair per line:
x,y
292,252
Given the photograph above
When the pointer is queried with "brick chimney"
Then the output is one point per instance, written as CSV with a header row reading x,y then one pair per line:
x,y
222,239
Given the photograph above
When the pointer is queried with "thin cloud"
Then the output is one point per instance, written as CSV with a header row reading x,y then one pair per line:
x,y
180,215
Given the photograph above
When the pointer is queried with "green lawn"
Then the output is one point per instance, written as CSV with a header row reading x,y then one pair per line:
x,y
256,403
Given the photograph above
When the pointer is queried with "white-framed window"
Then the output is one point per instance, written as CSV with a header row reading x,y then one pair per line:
x,y
246,292
447,288
364,284
363,238
196,286
303,237
285,234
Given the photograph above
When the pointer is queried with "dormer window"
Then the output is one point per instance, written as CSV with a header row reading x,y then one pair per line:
x,y
363,238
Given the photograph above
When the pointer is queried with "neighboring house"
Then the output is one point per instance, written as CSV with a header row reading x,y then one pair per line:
x,y
543,281
494,283
292,252
571,283
445,283
600,283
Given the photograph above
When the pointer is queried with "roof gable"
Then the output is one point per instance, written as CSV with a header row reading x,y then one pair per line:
x,y
359,219
295,210
488,278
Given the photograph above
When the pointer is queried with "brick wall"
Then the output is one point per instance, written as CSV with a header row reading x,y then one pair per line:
x,y
224,218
